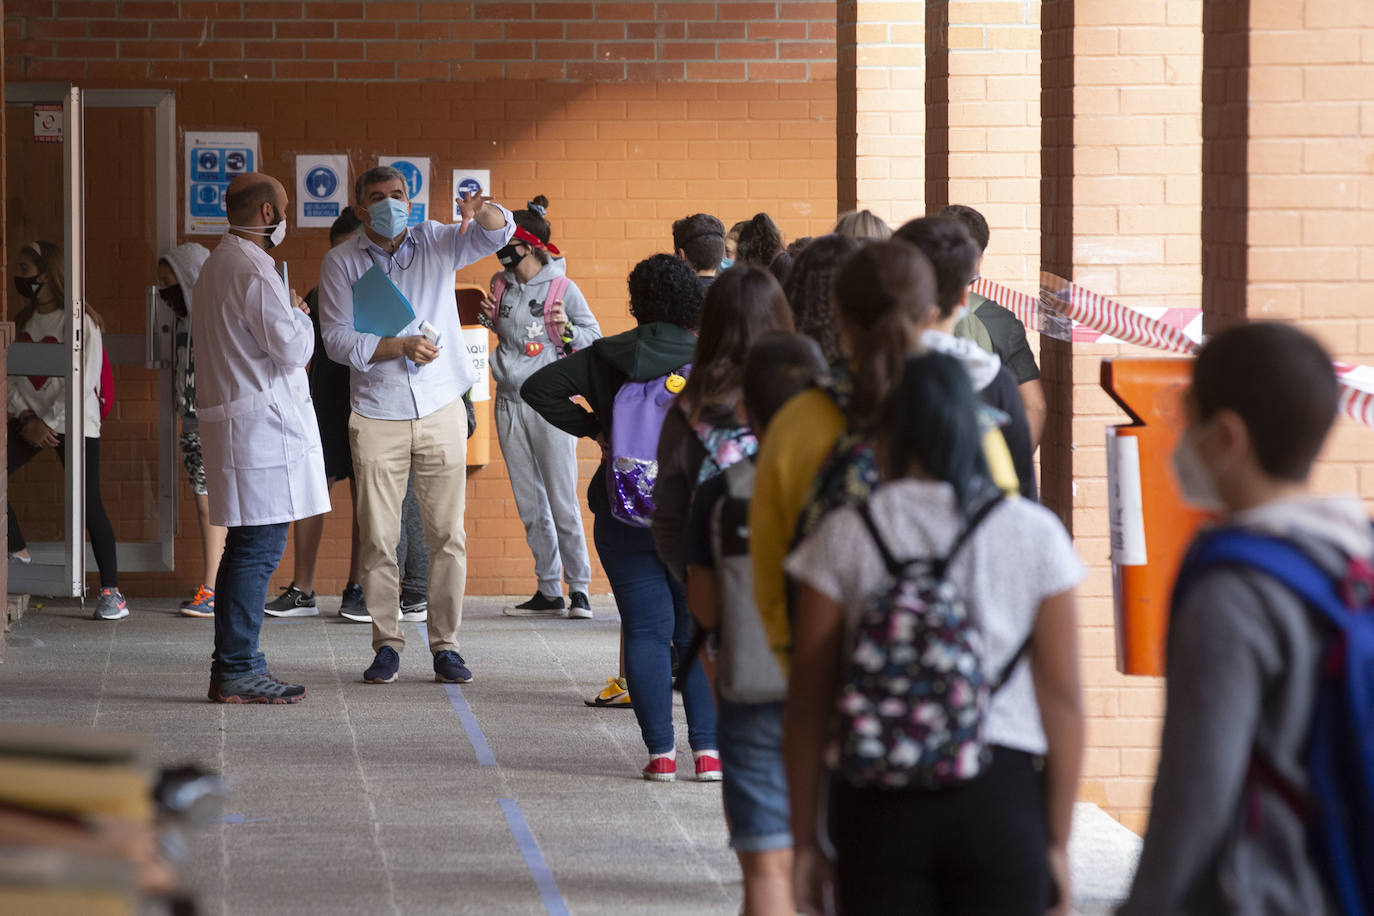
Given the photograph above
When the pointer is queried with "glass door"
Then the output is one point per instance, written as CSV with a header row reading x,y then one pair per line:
x,y
118,166
55,567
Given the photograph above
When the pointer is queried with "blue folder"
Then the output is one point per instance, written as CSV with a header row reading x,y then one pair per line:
x,y
378,306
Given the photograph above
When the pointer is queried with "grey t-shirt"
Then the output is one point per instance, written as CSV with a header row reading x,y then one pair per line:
x,y
1019,556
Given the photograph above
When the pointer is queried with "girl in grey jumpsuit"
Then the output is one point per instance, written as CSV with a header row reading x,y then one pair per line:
x,y
541,459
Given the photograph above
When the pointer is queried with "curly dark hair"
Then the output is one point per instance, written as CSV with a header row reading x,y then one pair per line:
x,y
665,288
760,240
808,292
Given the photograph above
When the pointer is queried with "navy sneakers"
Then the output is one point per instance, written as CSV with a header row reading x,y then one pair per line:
x,y
385,667
449,668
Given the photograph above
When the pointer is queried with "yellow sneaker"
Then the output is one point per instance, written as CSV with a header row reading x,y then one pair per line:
x,y
615,696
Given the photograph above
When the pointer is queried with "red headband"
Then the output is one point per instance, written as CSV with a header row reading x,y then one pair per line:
x,y
529,238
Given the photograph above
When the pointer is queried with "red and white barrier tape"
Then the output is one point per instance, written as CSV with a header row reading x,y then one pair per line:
x,y
1064,309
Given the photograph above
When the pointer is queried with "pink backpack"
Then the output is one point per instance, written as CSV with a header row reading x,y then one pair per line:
x,y
557,288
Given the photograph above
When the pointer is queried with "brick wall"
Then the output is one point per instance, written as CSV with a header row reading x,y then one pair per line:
x,y
316,40
620,151
1122,159
1309,193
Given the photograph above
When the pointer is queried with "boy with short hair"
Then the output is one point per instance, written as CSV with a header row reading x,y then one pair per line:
x,y
750,683
1245,652
996,328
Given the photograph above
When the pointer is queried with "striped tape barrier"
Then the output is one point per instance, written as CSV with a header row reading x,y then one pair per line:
x,y
1066,311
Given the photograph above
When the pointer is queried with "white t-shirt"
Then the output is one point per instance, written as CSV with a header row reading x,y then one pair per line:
x,y
1019,556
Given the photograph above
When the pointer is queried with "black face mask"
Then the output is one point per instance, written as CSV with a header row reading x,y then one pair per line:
x,y
28,287
509,257
175,298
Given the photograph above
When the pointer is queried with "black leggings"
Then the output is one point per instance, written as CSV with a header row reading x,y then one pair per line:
x,y
981,848
97,522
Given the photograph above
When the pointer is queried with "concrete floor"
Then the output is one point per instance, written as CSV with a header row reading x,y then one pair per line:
x,y
507,796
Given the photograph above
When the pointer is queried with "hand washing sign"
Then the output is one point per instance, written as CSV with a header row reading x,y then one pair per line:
x,y
321,190
213,159
415,169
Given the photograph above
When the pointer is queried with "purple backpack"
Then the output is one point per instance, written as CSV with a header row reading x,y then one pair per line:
x,y
637,416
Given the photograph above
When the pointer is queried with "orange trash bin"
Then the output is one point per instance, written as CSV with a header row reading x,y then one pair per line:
x,y
477,341
1150,524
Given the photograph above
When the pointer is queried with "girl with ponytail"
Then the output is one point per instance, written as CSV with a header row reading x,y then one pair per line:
x,y
1016,574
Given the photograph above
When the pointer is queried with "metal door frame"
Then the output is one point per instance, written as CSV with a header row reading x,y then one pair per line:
x,y
75,558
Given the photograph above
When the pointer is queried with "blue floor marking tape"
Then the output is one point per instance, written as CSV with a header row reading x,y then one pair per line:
x,y
465,715
474,731
534,859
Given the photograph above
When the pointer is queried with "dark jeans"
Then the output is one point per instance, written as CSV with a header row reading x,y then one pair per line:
x,y
653,614
981,848
251,555
412,553
97,522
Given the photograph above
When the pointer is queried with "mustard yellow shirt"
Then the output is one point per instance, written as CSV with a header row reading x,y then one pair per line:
x,y
795,445
799,438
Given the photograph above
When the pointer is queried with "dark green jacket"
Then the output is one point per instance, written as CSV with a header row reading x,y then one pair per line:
x,y
596,374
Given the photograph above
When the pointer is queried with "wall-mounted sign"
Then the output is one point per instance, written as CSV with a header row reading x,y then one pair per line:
x,y
416,172
47,122
321,190
213,159
469,181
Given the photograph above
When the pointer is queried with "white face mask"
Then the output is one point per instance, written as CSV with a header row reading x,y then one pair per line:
x,y
1195,482
275,234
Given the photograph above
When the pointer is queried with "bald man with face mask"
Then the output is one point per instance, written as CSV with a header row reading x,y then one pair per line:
x,y
264,466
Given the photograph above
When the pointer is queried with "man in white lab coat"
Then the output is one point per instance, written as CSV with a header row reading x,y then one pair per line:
x,y
263,463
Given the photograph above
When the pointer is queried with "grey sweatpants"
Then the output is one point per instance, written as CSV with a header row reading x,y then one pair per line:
x,y
412,553
542,462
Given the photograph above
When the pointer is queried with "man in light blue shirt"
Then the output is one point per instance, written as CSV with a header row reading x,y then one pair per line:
x,y
406,395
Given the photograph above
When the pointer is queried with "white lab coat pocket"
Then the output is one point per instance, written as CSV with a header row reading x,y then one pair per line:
x,y
272,436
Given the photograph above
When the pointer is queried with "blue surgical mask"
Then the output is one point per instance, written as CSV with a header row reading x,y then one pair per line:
x,y
389,217
727,263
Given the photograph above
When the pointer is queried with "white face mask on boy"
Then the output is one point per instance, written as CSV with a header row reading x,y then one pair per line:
x,y
1195,482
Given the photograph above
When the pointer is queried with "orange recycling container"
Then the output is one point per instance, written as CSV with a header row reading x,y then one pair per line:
x,y
1150,524
477,340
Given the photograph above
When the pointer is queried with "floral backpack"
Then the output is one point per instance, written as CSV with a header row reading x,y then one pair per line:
x,y
725,446
913,700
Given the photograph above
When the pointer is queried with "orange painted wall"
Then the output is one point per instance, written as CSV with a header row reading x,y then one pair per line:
x,y
620,158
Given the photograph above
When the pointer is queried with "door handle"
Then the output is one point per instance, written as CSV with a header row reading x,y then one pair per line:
x,y
152,358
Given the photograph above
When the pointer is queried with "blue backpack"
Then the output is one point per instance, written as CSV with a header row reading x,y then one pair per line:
x,y
1340,751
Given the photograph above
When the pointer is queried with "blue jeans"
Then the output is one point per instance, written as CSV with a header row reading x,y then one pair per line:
x,y
755,789
251,555
653,615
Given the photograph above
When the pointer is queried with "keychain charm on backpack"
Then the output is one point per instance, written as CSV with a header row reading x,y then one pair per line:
x,y
674,383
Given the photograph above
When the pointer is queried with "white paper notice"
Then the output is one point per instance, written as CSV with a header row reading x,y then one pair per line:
x,y
321,190
416,172
1125,504
475,339
213,159
469,181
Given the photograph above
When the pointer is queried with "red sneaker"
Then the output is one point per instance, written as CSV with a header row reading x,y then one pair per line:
x,y
661,769
708,768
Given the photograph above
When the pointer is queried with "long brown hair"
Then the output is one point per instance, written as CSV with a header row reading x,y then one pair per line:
x,y
743,304
884,295
47,258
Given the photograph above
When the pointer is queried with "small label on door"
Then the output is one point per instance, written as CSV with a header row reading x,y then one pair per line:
x,y
47,122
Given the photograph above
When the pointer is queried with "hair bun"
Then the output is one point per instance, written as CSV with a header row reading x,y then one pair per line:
x,y
539,205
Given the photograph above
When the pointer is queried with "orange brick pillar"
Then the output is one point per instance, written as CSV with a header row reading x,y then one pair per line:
x,y
880,112
983,124
1121,128
1288,94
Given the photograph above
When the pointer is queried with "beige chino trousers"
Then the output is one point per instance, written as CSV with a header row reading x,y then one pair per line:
x,y
384,452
